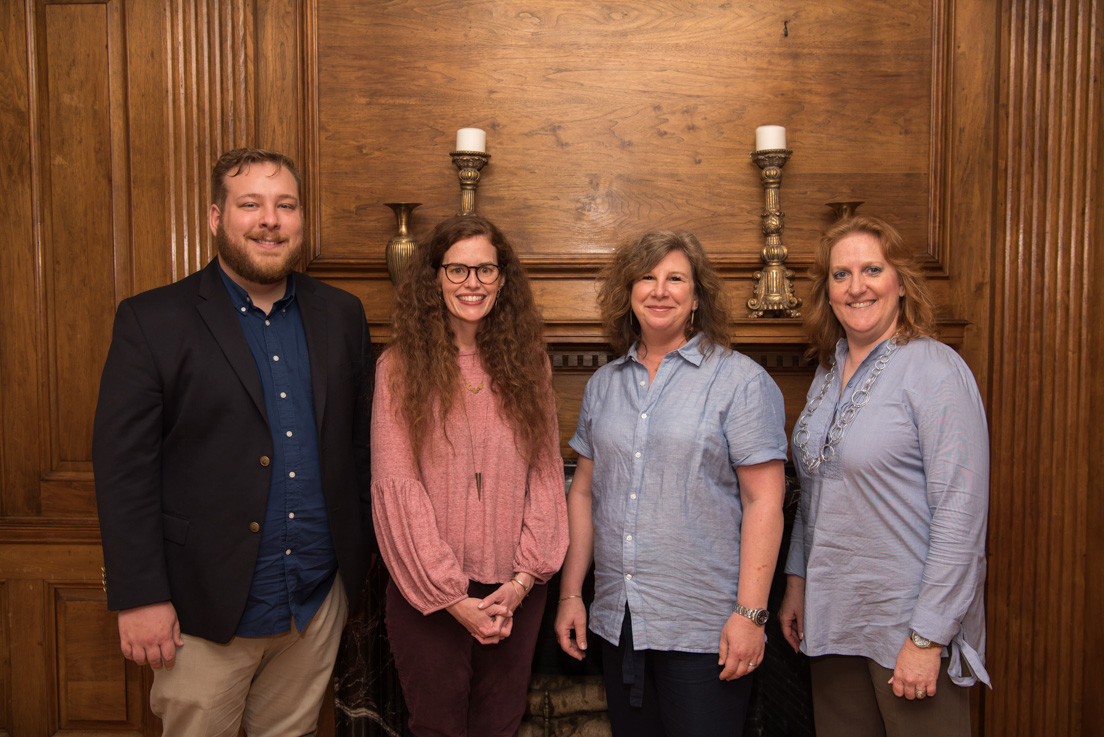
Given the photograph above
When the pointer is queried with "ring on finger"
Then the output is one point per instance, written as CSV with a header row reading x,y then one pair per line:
x,y
920,693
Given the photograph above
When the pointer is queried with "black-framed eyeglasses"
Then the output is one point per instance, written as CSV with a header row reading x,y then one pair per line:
x,y
458,273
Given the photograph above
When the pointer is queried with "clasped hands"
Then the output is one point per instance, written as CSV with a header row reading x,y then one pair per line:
x,y
490,620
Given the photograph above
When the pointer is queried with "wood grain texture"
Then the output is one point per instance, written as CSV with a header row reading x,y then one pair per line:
x,y
975,126
5,663
1093,716
76,117
970,207
604,121
210,72
34,708
1040,373
91,669
21,441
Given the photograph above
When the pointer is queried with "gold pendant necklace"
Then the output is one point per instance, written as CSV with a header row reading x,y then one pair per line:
x,y
471,439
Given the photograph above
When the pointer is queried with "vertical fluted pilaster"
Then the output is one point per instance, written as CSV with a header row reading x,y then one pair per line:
x,y
1041,333
210,66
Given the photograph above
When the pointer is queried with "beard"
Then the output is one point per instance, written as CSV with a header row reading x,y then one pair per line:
x,y
252,267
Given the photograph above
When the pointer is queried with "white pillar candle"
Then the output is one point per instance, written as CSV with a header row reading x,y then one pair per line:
x,y
471,139
770,137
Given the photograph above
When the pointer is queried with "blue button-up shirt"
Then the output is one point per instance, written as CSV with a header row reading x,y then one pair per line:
x,y
665,497
296,564
890,531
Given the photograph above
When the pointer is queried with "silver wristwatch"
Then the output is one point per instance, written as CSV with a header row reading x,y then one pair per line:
x,y
759,616
922,642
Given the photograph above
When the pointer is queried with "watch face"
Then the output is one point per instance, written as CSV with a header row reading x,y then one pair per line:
x,y
761,617
920,641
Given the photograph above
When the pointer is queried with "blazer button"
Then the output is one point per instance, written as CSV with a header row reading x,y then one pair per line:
x,y
254,527
265,461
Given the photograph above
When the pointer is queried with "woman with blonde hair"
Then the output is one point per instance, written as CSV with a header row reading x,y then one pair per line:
x,y
886,567
677,499
467,482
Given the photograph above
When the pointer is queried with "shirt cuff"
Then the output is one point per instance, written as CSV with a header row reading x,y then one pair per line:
x,y
933,626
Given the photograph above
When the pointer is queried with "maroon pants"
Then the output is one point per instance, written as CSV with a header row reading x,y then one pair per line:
x,y
453,686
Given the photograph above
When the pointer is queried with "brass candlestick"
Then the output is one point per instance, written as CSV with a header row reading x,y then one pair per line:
x,y
774,295
844,208
401,246
469,163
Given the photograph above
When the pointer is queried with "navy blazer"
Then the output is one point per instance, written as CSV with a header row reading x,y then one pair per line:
x,y
181,447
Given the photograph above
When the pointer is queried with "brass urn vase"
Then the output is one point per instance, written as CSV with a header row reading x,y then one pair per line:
x,y
401,246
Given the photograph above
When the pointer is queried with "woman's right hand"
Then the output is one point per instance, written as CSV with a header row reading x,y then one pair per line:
x,y
571,615
487,629
791,614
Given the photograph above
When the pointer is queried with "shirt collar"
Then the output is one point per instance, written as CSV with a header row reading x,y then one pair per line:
x,y
841,351
690,351
240,297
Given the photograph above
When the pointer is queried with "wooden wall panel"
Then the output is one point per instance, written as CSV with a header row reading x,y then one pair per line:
x,y
606,120
1042,337
1093,715
93,682
20,368
79,128
210,74
602,121
5,663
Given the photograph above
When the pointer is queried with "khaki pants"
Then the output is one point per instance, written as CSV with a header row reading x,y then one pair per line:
x,y
274,685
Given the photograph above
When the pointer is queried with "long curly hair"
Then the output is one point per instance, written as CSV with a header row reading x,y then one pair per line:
x,y
509,341
634,259
916,318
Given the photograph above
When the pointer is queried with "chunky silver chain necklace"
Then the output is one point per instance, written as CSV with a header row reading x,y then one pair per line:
x,y
858,400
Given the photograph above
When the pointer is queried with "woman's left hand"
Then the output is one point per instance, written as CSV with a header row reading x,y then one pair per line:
x,y
916,672
742,646
501,603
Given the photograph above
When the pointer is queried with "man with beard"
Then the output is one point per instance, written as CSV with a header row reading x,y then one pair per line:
x,y
232,475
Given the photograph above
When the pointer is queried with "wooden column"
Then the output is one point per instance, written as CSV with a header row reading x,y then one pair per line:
x,y
1044,516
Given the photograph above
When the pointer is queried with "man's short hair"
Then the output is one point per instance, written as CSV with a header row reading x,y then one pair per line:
x,y
231,163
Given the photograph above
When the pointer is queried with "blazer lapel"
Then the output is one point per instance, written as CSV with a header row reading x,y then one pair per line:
x,y
217,311
312,308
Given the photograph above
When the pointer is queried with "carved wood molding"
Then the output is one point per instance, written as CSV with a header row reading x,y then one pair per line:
x,y
48,531
1042,334
211,106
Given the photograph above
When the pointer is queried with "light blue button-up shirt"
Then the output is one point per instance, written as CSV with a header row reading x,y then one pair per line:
x,y
890,532
665,497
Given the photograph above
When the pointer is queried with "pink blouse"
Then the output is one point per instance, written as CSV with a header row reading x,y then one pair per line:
x,y
435,529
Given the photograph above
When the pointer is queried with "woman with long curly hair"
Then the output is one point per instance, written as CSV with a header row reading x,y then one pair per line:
x,y
467,481
886,567
677,499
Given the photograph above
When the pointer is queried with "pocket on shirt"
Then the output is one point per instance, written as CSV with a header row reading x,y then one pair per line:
x,y
174,529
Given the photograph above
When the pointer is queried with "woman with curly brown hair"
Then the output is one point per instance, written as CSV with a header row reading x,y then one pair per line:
x,y
886,567
467,481
677,499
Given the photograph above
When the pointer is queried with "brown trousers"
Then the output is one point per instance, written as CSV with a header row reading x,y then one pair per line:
x,y
852,697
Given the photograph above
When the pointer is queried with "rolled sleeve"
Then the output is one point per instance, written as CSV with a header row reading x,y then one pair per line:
x,y
756,421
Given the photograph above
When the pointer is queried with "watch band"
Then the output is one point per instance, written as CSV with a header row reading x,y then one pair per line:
x,y
922,642
758,616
